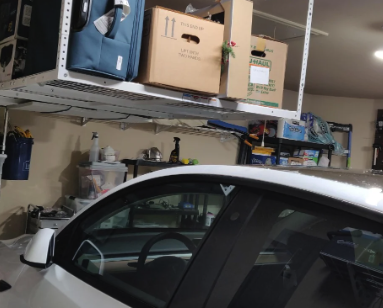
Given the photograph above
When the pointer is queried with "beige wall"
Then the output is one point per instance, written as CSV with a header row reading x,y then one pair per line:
x,y
61,144
361,113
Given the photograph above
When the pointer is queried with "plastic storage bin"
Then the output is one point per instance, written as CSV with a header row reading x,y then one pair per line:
x,y
19,151
96,178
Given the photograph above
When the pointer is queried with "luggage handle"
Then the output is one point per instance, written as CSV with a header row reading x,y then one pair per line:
x,y
116,22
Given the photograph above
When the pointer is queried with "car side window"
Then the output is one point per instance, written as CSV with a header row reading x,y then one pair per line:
x,y
313,259
139,244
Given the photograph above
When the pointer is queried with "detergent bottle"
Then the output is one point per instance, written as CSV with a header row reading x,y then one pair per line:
x,y
94,153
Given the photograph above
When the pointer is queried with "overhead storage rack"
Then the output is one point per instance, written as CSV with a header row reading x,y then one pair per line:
x,y
101,98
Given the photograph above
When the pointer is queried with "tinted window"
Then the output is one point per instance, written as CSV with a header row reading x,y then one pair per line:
x,y
141,243
310,260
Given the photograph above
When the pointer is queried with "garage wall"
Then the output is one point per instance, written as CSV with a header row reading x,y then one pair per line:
x,y
61,144
361,113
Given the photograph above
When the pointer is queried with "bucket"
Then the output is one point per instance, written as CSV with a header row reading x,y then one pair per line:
x,y
18,151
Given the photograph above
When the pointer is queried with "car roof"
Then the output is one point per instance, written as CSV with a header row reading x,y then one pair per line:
x,y
361,188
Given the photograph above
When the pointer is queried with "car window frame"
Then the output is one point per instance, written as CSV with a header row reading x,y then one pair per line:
x,y
63,257
231,277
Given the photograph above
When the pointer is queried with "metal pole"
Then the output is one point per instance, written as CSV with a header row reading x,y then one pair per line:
x,y
306,48
5,129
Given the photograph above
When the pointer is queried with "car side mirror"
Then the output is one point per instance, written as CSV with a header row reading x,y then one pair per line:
x,y
40,250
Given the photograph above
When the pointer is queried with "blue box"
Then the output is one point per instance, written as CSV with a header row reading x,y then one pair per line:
x,y
261,159
283,161
291,129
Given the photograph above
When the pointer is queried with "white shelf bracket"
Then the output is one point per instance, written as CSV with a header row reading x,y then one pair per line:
x,y
84,121
225,137
160,128
124,126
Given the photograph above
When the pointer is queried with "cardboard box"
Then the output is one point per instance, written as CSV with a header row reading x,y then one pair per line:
x,y
15,19
180,51
295,161
266,75
291,129
310,157
12,59
237,17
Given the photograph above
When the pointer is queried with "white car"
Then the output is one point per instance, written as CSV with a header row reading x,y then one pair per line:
x,y
210,236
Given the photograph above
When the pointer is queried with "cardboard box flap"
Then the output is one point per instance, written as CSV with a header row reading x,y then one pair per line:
x,y
261,45
269,38
236,16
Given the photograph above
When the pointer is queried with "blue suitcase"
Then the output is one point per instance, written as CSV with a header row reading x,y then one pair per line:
x,y
115,54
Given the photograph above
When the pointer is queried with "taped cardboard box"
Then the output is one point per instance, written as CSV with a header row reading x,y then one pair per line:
x,y
237,17
295,161
267,67
180,51
15,19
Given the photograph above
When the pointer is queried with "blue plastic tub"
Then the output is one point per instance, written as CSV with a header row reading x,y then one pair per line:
x,y
18,151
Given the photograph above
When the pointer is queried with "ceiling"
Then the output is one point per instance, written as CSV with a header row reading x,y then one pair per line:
x,y
341,64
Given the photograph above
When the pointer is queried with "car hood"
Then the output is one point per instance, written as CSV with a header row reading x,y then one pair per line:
x,y
10,251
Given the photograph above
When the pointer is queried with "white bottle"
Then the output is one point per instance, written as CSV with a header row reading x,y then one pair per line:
x,y
94,153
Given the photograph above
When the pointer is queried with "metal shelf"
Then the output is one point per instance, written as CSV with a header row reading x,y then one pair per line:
x,y
147,163
63,87
278,143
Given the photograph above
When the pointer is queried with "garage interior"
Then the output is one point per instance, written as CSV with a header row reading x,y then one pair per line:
x,y
343,85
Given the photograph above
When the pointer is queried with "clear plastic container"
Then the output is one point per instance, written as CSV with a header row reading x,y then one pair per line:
x,y
97,178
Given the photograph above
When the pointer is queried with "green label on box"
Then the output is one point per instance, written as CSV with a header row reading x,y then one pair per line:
x,y
261,103
260,62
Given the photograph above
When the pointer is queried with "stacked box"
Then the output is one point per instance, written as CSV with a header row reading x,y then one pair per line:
x,y
15,19
310,157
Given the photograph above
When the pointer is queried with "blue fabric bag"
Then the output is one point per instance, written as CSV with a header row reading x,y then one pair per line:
x,y
115,54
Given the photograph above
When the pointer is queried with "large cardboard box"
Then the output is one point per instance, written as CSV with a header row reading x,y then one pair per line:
x,y
180,51
15,19
266,75
12,59
237,17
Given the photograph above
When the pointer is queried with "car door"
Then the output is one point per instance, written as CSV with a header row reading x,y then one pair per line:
x,y
135,247
303,253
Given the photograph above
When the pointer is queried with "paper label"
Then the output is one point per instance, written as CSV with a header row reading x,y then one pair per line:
x,y
104,23
119,63
27,13
259,75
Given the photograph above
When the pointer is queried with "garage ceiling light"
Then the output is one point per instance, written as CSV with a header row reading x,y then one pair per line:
x,y
379,54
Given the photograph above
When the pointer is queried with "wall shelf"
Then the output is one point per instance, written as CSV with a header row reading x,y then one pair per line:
x,y
278,143
72,89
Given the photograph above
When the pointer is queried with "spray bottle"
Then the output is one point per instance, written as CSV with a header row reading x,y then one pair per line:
x,y
94,153
175,154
